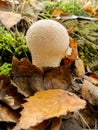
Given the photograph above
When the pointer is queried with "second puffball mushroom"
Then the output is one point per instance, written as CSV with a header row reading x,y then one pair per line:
x,y
48,42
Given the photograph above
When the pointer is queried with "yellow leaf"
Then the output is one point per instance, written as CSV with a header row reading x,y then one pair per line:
x,y
48,104
57,12
88,7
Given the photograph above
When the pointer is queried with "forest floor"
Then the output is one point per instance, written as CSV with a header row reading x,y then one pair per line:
x,y
16,72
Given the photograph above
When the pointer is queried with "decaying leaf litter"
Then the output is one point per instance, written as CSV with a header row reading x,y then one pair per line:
x,y
16,87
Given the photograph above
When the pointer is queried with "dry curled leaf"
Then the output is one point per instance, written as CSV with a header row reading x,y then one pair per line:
x,y
8,115
26,76
90,92
30,79
9,93
58,77
48,104
92,77
72,123
80,70
74,46
68,61
56,123
5,6
89,115
9,19
41,126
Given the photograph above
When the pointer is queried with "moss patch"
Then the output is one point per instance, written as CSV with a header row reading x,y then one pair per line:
x,y
86,33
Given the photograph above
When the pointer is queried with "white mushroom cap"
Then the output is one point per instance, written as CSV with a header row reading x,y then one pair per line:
x,y
48,42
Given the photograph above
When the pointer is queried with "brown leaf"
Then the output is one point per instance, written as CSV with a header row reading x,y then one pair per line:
x,y
9,94
9,19
72,123
48,104
41,126
90,92
8,115
80,70
58,77
89,115
27,77
56,123
93,77
4,6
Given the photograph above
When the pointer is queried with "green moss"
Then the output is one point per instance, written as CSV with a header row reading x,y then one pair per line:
x,y
11,45
70,7
5,69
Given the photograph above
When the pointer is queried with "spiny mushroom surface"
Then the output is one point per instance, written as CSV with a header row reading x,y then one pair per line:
x,y
48,42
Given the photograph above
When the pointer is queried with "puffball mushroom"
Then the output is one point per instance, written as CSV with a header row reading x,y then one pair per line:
x,y
48,42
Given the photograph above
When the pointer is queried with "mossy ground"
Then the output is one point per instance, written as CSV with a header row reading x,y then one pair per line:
x,y
86,34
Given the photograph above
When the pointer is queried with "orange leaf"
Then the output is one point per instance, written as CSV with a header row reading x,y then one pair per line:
x,y
88,7
73,45
96,13
93,77
57,12
48,104
4,6
73,56
71,29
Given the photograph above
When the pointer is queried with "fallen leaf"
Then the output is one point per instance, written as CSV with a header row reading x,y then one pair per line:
x,y
68,61
58,77
9,93
74,46
88,7
72,123
41,126
48,104
88,114
5,6
90,92
92,77
8,115
80,70
27,77
57,12
56,123
9,19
